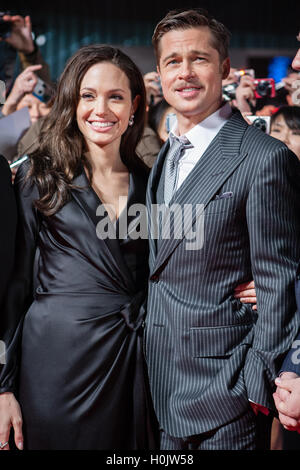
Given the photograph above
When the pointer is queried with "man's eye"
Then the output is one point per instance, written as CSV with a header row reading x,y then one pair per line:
x,y
172,62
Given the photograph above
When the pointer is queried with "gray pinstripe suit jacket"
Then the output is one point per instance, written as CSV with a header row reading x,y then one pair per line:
x,y
207,353
291,362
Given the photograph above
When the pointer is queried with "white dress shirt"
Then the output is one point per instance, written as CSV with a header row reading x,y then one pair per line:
x,y
200,136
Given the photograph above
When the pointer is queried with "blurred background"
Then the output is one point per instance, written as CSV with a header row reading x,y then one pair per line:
x,y
263,32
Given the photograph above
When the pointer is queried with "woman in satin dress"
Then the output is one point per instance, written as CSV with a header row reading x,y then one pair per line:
x,y
73,317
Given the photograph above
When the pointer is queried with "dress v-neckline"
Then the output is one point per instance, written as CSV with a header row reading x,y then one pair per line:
x,y
115,222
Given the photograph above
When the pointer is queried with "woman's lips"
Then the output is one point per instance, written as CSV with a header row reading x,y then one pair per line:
x,y
101,126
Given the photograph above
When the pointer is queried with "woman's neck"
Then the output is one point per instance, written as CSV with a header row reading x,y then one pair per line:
x,y
105,160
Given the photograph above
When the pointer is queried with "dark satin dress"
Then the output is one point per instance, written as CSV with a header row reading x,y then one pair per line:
x,y
81,378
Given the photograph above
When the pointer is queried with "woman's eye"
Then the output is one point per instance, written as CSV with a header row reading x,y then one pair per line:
x,y
87,96
117,97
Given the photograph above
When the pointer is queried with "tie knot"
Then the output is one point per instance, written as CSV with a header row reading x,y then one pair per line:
x,y
178,144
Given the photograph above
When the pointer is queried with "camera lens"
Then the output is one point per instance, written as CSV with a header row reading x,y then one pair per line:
x,y
260,124
263,88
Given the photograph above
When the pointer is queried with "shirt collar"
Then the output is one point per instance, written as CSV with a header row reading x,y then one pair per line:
x,y
206,129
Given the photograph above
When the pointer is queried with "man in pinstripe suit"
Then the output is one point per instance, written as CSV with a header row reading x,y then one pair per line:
x,y
208,355
287,395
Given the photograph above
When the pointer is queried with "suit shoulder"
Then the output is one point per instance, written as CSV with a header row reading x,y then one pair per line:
x,y
257,137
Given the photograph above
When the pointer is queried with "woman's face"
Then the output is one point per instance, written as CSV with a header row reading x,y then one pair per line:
x,y
36,107
105,105
291,137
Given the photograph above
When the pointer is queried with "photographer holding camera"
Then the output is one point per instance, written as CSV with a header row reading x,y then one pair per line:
x,y
245,94
23,85
18,36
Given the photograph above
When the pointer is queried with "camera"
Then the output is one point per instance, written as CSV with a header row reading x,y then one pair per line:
x,y
42,91
229,91
5,26
242,72
265,87
171,118
261,122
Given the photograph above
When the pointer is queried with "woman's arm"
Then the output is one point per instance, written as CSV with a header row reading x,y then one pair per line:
x,y
16,303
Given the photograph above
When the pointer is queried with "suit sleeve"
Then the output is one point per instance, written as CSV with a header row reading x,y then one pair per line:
x,y
8,213
20,292
291,362
273,218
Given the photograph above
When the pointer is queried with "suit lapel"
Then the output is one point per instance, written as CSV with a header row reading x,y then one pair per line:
x,y
153,181
218,162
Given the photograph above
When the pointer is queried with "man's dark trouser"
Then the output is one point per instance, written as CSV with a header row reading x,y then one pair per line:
x,y
247,432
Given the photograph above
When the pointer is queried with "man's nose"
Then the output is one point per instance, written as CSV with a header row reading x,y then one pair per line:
x,y
296,61
186,70
35,111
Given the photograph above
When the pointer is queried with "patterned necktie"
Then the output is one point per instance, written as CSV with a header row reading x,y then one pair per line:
x,y
173,157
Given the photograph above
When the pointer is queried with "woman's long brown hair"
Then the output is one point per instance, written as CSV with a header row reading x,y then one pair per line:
x,y
60,154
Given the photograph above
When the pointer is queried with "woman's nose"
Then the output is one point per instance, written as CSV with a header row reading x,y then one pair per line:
x,y
100,106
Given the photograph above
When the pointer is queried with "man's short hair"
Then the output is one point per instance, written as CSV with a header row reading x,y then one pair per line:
x,y
185,19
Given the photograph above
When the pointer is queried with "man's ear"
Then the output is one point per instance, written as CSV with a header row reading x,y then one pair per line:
x,y
225,68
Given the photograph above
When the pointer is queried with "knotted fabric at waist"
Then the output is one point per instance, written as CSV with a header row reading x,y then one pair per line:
x,y
86,306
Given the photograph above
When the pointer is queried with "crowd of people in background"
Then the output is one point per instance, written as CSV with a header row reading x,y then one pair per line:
x,y
277,114
239,89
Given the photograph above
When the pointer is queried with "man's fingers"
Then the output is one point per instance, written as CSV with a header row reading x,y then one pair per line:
x,y
285,384
32,68
16,19
28,22
283,394
287,422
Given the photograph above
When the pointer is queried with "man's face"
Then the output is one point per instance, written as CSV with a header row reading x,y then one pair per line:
x,y
296,61
191,74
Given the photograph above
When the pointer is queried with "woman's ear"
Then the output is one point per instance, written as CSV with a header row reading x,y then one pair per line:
x,y
135,104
